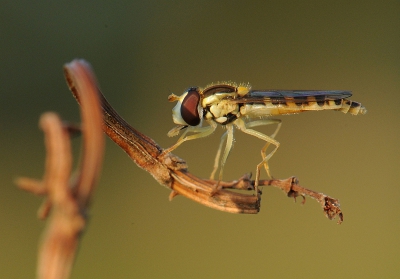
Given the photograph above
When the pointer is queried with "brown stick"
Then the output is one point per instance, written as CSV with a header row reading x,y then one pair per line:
x,y
66,199
69,198
171,171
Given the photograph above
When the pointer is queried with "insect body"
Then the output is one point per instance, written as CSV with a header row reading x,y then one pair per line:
x,y
239,106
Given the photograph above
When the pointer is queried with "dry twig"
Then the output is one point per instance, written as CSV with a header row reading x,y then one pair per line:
x,y
172,172
69,200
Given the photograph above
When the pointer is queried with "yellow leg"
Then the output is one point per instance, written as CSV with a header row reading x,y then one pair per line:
x,y
264,149
244,127
200,132
228,147
216,160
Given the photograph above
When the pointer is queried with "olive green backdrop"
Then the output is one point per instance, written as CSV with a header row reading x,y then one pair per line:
x,y
143,51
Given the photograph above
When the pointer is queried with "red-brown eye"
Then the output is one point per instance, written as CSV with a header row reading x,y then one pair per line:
x,y
189,110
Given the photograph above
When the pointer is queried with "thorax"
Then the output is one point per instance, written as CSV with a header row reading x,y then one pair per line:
x,y
219,108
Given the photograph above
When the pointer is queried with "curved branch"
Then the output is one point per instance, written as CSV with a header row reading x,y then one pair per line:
x,y
171,171
69,199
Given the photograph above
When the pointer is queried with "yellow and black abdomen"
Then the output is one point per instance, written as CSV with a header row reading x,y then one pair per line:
x,y
265,103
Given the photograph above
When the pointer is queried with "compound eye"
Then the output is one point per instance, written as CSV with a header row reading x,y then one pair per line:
x,y
189,105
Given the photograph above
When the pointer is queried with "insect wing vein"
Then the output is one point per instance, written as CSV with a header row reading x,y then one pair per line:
x,y
277,96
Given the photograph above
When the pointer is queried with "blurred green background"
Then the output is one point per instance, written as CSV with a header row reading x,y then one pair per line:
x,y
143,51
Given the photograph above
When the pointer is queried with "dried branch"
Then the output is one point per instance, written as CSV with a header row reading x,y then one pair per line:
x,y
171,171
291,187
67,199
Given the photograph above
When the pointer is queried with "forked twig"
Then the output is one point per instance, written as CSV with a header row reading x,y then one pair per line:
x,y
67,199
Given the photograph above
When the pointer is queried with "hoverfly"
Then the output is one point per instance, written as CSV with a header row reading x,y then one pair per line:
x,y
237,106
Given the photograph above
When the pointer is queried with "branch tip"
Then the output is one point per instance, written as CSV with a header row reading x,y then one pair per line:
x,y
172,195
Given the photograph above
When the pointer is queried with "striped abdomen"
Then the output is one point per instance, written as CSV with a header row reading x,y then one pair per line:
x,y
290,105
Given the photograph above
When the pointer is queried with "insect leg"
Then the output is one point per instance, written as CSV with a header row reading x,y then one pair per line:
x,y
228,147
264,149
216,160
200,132
244,127
229,143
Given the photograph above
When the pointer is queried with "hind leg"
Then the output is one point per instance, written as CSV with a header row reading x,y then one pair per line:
x,y
264,149
245,127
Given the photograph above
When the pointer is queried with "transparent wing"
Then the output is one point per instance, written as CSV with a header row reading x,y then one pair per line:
x,y
281,96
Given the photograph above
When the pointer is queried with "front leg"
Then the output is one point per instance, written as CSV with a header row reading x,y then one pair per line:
x,y
200,132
